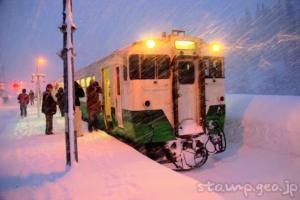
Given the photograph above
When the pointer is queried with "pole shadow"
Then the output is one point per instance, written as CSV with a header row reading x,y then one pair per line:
x,y
32,180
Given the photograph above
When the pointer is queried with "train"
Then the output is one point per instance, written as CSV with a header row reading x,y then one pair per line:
x,y
164,96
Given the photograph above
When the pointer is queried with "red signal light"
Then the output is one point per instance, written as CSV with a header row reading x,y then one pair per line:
x,y
16,86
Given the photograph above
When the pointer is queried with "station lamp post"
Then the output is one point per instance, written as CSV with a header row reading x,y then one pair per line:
x,y
37,77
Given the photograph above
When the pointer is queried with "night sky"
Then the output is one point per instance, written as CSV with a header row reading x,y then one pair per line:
x,y
29,28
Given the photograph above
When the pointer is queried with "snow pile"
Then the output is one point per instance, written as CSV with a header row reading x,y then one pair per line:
x,y
263,134
269,122
250,168
33,166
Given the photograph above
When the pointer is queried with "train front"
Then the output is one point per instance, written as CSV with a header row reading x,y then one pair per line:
x,y
177,87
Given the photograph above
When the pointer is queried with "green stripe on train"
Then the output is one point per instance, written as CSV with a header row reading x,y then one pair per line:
x,y
147,126
150,126
140,127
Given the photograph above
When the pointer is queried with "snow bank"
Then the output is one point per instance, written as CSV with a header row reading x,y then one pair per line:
x,y
269,122
263,136
33,166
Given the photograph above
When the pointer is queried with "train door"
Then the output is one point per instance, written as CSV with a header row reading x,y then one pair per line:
x,y
187,88
118,98
106,96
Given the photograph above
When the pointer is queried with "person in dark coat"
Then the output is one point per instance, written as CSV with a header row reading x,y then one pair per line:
x,y
49,108
23,101
60,100
31,97
93,104
79,93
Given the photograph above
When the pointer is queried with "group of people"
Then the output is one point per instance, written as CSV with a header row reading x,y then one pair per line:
x,y
56,97
24,100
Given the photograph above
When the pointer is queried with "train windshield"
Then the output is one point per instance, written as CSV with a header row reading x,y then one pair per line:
x,y
213,67
134,72
163,67
149,67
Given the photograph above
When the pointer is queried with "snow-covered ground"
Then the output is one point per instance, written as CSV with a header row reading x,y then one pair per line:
x,y
263,133
32,166
264,148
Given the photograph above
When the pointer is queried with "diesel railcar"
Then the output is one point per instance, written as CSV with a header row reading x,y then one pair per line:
x,y
163,94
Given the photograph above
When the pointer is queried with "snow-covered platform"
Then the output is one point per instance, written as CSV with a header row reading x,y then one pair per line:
x,y
32,166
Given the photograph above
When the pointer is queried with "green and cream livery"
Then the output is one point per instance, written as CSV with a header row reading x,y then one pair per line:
x,y
165,95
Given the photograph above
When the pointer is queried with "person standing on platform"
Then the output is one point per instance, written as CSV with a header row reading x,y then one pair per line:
x,y
60,100
79,93
49,108
23,101
31,97
93,104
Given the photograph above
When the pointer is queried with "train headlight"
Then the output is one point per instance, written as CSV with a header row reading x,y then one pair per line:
x,y
150,44
216,47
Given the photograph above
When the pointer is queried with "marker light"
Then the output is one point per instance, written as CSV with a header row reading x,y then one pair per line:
x,y
185,45
150,44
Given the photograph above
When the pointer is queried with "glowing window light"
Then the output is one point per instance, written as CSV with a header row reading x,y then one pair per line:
x,y
150,44
88,80
185,45
82,82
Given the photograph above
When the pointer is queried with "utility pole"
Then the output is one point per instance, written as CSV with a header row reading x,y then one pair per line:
x,y
67,54
37,77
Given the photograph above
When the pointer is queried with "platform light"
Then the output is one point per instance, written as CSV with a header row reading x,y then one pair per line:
x,y
185,44
150,44
40,61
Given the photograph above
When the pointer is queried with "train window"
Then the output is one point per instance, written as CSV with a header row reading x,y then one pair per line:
x,y
134,72
186,72
125,72
205,67
212,67
82,83
163,67
88,80
148,67
216,69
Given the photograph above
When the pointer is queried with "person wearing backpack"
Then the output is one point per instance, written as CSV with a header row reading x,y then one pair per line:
x,y
23,101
